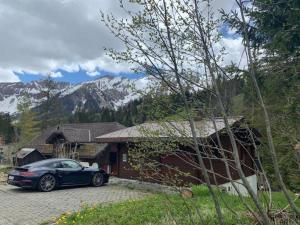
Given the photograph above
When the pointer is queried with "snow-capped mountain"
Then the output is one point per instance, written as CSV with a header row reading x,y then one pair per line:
x,y
107,91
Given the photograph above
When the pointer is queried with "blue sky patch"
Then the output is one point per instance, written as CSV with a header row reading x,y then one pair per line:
x,y
226,31
76,77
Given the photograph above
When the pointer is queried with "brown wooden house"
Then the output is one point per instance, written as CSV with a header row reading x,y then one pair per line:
x,y
75,141
119,160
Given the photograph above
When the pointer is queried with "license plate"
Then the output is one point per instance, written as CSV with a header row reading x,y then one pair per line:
x,y
10,177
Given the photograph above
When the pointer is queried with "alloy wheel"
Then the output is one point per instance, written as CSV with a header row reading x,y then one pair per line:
x,y
98,180
47,183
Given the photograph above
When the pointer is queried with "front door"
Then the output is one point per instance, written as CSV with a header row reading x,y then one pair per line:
x,y
113,162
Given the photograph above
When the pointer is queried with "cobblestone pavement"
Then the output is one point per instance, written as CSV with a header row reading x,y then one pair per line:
x,y
20,207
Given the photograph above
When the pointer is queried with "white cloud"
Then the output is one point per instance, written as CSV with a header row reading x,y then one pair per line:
x,y
46,35
8,76
55,74
231,31
93,74
71,68
40,36
233,51
104,62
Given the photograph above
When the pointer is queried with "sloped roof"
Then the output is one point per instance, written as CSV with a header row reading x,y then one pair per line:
x,y
22,153
77,132
204,129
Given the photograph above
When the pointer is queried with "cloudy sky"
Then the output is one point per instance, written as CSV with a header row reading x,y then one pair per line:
x,y
65,38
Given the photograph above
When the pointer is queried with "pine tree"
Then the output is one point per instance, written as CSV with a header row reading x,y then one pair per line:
x,y
6,128
27,125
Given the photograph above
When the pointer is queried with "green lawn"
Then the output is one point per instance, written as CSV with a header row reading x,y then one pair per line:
x,y
5,169
166,209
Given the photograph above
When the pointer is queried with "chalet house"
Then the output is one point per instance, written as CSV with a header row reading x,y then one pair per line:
x,y
180,162
75,141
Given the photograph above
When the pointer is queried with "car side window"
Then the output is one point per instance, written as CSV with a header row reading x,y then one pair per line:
x,y
55,165
70,165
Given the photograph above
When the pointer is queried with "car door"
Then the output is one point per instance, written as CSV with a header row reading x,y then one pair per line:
x,y
57,166
72,173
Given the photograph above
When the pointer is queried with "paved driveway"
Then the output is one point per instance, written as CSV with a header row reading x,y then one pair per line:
x,y
20,207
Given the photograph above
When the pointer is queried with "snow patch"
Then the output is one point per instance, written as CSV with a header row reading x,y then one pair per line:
x,y
9,104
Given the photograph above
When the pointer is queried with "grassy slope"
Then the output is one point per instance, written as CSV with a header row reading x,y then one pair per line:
x,y
165,209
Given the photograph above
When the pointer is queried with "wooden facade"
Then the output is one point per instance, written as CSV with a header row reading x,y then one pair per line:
x,y
181,167
120,157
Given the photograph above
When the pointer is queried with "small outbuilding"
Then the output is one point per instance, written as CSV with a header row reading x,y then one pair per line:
x,y
27,155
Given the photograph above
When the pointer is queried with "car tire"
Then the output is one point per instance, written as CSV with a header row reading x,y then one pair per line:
x,y
47,183
97,180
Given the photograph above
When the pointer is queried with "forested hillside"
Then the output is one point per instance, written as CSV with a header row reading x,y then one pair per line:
x,y
155,105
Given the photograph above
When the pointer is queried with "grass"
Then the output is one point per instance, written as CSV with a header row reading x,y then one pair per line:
x,y
5,169
161,209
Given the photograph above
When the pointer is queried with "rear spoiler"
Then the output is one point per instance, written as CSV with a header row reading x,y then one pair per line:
x,y
21,169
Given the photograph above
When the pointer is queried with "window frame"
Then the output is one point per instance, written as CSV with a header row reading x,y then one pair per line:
x,y
124,157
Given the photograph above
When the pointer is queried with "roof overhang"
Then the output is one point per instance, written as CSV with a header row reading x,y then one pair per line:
x,y
133,134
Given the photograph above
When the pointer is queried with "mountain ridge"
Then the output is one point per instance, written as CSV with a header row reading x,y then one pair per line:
x,y
104,92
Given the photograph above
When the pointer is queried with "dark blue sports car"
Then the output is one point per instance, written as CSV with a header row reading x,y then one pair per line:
x,y
48,174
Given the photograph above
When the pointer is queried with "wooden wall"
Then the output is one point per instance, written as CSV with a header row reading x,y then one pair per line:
x,y
184,163
124,168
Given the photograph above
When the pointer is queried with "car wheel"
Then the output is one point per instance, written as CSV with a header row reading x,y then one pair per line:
x,y
97,180
47,183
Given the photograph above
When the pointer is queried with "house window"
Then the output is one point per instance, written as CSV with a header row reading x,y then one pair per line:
x,y
124,157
